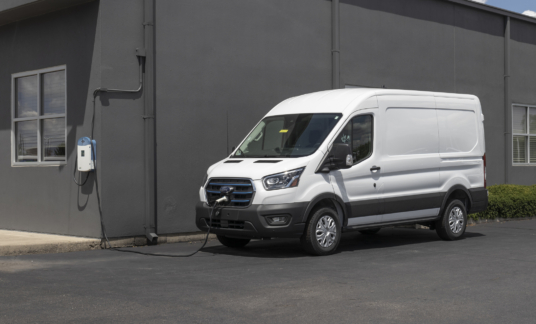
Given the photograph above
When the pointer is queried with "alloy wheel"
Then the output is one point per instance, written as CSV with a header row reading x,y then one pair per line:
x,y
326,231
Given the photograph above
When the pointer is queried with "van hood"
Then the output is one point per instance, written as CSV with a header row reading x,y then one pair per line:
x,y
255,168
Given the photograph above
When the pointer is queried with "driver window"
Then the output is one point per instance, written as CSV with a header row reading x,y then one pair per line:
x,y
344,136
358,134
361,137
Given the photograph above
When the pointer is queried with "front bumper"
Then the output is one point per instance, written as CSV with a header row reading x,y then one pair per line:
x,y
250,222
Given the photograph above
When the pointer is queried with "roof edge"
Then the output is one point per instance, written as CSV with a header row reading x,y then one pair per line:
x,y
496,10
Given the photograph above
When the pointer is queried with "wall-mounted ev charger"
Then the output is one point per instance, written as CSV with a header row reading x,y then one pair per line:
x,y
86,154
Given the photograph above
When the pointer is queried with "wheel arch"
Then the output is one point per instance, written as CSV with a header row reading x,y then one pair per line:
x,y
327,200
459,192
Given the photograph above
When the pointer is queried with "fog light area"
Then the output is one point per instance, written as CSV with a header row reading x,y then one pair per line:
x,y
277,220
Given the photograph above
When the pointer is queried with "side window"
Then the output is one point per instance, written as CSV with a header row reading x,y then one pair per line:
x,y
39,111
358,133
345,136
362,137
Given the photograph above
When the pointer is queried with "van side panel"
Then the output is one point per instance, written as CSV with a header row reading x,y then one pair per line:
x,y
409,157
460,143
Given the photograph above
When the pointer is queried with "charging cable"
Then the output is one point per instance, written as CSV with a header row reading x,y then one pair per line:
x,y
216,203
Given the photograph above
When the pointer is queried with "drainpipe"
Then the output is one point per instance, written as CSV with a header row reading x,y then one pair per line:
x,y
507,105
149,122
335,45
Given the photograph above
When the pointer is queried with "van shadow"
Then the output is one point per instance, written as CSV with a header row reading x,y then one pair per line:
x,y
350,242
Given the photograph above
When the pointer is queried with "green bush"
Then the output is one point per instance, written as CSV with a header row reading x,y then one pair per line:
x,y
509,201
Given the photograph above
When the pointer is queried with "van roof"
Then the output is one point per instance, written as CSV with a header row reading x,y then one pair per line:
x,y
337,101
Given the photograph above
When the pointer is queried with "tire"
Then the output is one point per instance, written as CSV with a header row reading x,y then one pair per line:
x,y
451,226
326,221
233,242
372,231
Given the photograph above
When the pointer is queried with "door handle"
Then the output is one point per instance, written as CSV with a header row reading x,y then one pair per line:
x,y
375,168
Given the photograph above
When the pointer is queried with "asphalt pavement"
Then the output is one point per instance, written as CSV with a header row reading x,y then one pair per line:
x,y
397,276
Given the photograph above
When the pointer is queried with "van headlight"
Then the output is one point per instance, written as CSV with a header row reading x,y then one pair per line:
x,y
289,179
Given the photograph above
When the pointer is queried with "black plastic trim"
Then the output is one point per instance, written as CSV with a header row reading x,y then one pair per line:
x,y
232,161
267,161
331,196
255,224
411,203
378,225
449,192
480,200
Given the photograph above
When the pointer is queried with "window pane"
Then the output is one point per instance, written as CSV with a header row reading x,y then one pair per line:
x,y
520,149
533,149
26,92
274,138
53,92
362,138
532,120
519,121
345,136
26,139
53,139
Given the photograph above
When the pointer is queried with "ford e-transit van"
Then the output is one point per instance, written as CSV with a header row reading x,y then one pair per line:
x,y
330,162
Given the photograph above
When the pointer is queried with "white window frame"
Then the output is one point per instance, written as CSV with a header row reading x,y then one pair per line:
x,y
39,118
527,135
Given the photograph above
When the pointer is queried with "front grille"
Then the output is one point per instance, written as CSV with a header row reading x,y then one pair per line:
x,y
241,197
222,223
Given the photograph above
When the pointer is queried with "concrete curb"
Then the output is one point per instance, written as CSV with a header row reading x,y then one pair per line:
x,y
21,243
49,248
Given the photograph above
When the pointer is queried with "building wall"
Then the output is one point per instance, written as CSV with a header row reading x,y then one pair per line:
x,y
523,84
45,199
121,144
432,46
221,65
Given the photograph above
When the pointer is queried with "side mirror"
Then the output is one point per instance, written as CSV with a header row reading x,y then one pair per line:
x,y
234,147
339,157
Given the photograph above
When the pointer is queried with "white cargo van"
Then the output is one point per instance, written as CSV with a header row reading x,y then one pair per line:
x,y
336,161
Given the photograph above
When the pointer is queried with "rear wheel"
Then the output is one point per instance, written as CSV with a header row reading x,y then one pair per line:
x,y
370,231
233,242
322,233
452,224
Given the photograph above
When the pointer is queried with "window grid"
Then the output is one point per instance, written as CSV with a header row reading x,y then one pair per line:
x,y
38,119
523,141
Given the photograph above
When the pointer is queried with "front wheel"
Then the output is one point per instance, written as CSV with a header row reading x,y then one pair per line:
x,y
322,233
452,224
232,242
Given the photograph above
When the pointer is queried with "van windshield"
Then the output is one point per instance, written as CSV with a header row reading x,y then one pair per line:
x,y
287,136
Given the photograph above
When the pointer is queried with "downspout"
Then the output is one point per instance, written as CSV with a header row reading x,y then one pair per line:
x,y
507,104
146,81
335,45
149,122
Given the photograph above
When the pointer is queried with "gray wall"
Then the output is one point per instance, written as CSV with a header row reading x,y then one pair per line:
x,y
45,199
121,145
429,45
523,83
97,42
220,66
230,58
